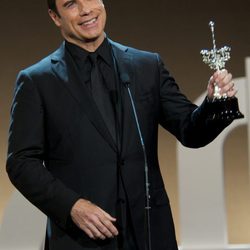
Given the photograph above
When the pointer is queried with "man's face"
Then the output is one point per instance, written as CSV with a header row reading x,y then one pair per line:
x,y
80,21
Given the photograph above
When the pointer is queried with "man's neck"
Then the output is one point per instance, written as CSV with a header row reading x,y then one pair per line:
x,y
88,45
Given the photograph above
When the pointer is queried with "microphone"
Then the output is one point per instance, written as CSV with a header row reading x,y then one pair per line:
x,y
125,79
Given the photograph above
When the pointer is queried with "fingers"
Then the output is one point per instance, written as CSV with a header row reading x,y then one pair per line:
x,y
88,232
112,229
232,92
94,221
109,217
94,232
105,228
101,226
222,80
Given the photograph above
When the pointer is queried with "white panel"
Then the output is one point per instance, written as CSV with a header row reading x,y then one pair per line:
x,y
203,223
248,106
23,225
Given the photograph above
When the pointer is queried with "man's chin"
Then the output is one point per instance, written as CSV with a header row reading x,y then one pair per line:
x,y
94,38
91,39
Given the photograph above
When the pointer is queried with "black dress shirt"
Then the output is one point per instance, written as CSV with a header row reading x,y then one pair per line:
x,y
106,88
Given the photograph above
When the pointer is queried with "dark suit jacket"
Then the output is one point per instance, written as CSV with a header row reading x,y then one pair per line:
x,y
60,148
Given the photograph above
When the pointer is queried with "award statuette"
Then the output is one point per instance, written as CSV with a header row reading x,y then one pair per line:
x,y
223,107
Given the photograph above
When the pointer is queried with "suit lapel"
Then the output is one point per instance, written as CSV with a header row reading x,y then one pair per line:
x,y
64,67
124,61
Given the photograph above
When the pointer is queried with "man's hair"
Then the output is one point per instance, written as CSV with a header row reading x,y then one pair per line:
x,y
52,5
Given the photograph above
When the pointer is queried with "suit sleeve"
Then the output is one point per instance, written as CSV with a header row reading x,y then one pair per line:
x,y
188,122
26,155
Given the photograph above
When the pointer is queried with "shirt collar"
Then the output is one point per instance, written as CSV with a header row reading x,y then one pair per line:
x,y
104,51
80,54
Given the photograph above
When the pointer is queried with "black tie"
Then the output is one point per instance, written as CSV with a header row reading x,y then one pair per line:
x,y
101,95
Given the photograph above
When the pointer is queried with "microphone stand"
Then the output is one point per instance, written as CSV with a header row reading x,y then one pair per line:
x,y
148,245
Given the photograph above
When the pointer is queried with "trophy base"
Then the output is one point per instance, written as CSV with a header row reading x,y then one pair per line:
x,y
226,109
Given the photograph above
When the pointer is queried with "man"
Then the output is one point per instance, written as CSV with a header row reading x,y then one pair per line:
x,y
74,145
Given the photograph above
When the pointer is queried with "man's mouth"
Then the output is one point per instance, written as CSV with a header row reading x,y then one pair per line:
x,y
89,22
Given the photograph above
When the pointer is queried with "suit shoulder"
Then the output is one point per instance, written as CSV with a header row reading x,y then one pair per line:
x,y
142,53
142,57
137,53
40,68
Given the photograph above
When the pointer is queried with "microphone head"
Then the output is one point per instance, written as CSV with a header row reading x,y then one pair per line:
x,y
125,78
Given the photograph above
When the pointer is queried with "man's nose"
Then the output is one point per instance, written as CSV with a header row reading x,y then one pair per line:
x,y
84,9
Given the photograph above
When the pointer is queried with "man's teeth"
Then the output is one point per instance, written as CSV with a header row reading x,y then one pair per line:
x,y
90,21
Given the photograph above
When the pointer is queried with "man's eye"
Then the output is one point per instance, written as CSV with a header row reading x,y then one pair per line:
x,y
69,4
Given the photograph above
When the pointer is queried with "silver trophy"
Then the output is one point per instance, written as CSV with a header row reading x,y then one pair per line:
x,y
224,107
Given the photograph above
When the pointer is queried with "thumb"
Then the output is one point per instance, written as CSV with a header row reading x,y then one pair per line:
x,y
210,87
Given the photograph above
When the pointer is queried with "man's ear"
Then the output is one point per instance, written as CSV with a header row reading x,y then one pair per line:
x,y
55,17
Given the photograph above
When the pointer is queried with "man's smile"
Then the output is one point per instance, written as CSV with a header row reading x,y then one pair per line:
x,y
89,22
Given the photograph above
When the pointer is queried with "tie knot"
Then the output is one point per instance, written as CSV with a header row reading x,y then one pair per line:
x,y
93,58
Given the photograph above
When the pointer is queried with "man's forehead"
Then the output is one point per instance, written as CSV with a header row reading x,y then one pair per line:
x,y
64,1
